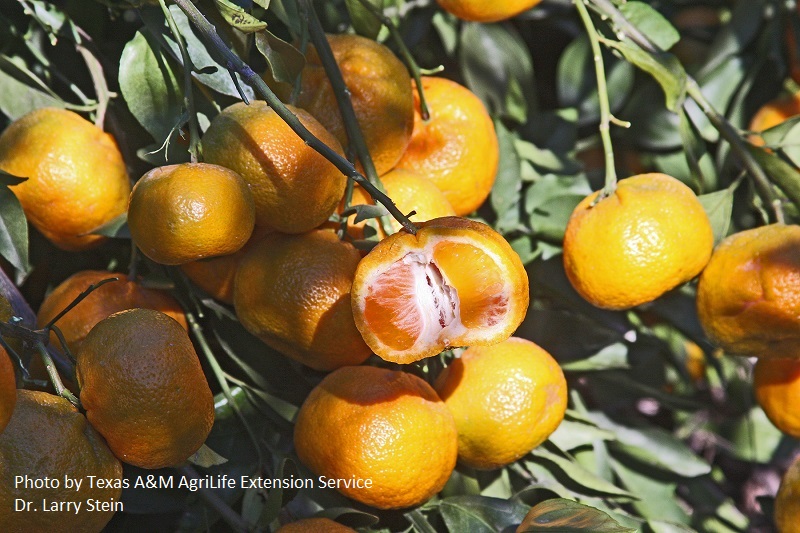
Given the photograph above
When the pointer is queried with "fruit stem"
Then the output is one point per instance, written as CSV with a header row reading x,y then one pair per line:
x,y
765,187
230,516
234,64
602,96
342,94
55,379
188,95
411,63
78,299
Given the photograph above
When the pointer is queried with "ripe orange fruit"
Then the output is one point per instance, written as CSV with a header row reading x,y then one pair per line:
x,y
293,292
315,525
748,297
216,275
506,400
110,298
776,383
77,179
380,92
143,388
410,192
647,238
181,213
377,427
482,11
773,113
456,147
295,188
455,283
8,389
787,501
48,438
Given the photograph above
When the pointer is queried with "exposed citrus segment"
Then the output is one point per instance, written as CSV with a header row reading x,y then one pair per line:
x,y
748,297
455,283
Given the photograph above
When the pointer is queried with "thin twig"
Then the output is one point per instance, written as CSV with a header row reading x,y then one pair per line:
x,y
78,299
225,511
233,63
55,379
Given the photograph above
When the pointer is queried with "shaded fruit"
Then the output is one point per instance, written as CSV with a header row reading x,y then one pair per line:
x,y
482,11
787,501
382,426
143,388
315,525
776,383
77,179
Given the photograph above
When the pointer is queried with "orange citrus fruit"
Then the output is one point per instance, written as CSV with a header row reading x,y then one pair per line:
x,y
456,282
410,192
77,179
295,188
776,383
773,113
748,297
385,432
645,239
506,400
787,501
315,525
456,147
181,213
143,388
8,389
109,298
482,11
216,275
293,292
380,92
48,438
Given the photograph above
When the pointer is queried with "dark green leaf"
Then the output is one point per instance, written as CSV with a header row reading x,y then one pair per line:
x,y
18,98
364,22
283,60
367,211
420,523
480,514
13,225
719,206
753,437
657,498
507,185
205,457
579,475
784,175
570,435
117,228
651,23
238,17
567,516
610,357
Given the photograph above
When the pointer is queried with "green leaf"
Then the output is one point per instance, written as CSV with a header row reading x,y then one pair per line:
x,y
719,206
579,475
651,23
117,228
283,60
206,457
480,514
508,182
18,98
13,225
665,68
238,17
657,497
784,175
614,356
367,211
570,435
364,22
150,86
567,516
753,436
491,55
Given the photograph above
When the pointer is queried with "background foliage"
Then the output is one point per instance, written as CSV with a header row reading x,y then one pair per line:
x,y
654,438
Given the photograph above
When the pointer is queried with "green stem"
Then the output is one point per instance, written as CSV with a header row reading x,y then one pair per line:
x,y
188,95
728,132
218,504
602,96
233,63
55,379
411,63
78,299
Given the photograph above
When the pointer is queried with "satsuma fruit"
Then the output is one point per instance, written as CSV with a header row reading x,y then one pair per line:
x,y
380,92
482,11
776,383
48,438
773,113
295,188
748,297
104,301
456,147
787,501
293,292
645,239
456,282
143,388
410,192
506,399
77,179
386,432
181,213
315,525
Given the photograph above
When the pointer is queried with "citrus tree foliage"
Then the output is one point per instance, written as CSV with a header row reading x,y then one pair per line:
x,y
659,435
